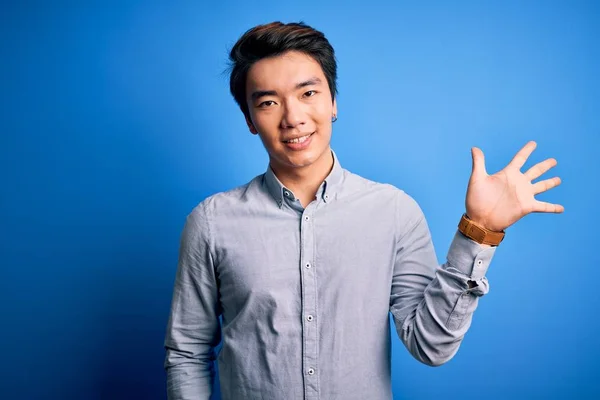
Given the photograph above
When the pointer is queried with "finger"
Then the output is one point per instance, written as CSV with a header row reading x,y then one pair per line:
x,y
540,168
543,207
478,162
521,157
546,184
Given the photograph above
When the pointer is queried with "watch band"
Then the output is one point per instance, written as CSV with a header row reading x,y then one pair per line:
x,y
478,233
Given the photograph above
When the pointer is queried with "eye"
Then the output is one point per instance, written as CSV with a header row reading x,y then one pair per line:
x,y
267,103
310,93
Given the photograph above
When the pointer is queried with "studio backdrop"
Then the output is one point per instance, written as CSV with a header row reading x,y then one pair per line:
x,y
116,121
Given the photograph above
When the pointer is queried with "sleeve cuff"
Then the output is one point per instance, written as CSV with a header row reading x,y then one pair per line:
x,y
469,257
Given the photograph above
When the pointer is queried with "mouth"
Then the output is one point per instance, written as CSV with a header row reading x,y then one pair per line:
x,y
299,143
300,139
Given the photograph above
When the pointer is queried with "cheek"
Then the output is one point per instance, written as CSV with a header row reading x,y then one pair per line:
x,y
267,125
324,111
266,121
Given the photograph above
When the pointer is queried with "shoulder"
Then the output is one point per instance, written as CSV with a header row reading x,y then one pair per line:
x,y
406,209
205,216
405,201
224,202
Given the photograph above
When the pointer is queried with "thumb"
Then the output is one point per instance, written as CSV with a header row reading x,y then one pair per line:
x,y
478,162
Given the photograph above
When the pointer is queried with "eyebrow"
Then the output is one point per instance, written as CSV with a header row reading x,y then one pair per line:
x,y
260,93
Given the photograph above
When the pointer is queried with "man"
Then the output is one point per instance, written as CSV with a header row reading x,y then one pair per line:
x,y
305,262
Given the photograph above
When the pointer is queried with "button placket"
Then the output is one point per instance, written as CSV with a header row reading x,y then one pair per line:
x,y
309,303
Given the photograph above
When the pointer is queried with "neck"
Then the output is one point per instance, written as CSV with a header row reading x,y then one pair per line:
x,y
305,181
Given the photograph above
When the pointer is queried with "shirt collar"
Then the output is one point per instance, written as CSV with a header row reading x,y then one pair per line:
x,y
326,191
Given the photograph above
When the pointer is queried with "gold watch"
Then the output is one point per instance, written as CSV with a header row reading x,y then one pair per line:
x,y
478,233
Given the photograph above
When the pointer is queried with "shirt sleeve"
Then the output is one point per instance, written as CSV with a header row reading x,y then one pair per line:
x,y
432,305
193,329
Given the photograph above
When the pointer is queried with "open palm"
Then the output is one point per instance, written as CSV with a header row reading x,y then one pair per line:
x,y
497,201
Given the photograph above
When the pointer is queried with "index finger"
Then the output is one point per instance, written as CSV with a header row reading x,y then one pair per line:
x,y
521,157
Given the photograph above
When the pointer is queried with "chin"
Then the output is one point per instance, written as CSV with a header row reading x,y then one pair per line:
x,y
304,159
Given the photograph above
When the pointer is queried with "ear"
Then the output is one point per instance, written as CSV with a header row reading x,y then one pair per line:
x,y
334,111
251,126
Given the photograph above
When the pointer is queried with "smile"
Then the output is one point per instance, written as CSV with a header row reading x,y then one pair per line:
x,y
298,140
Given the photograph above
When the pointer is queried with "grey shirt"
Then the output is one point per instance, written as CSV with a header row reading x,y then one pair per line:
x,y
304,294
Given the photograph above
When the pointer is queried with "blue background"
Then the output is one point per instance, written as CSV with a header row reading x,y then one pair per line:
x,y
116,121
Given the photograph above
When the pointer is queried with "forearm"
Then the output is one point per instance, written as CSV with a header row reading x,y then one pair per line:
x,y
188,379
193,332
434,331
433,311
189,344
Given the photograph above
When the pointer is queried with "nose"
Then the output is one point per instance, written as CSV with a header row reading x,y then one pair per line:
x,y
293,115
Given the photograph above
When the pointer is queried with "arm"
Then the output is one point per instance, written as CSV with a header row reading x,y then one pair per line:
x,y
193,329
433,305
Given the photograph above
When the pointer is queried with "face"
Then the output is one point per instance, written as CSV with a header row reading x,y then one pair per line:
x,y
288,97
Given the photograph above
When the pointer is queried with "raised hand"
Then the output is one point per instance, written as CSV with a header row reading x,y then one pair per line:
x,y
497,201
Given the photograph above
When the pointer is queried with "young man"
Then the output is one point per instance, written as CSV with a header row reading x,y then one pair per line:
x,y
305,262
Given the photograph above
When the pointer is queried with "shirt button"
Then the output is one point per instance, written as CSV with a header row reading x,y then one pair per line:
x,y
311,371
286,193
309,318
307,265
479,262
306,218
326,197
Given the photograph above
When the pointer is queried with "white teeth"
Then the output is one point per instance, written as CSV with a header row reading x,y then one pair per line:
x,y
298,140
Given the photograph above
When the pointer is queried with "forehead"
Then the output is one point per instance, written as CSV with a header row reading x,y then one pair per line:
x,y
283,72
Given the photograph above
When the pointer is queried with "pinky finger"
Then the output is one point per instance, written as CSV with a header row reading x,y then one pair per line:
x,y
543,207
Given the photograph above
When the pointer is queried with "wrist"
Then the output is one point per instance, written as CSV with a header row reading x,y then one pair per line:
x,y
477,232
482,223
